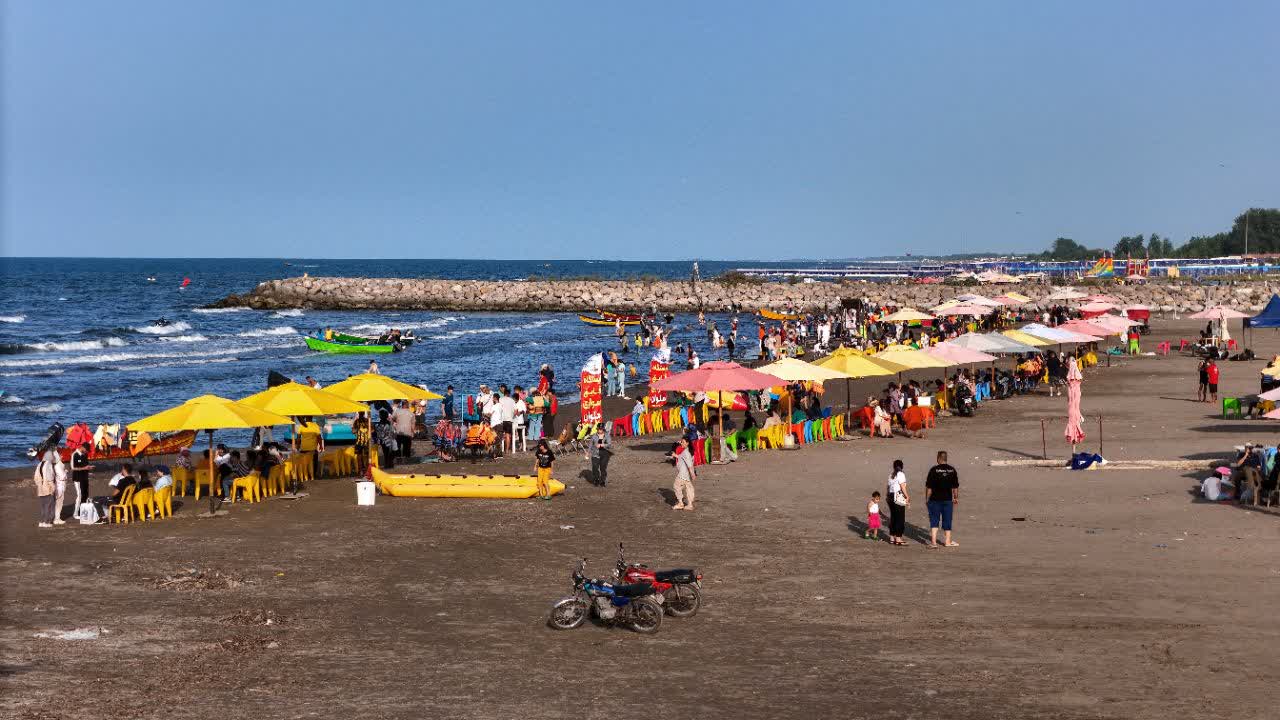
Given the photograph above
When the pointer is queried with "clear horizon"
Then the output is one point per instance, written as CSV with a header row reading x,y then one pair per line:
x,y
573,131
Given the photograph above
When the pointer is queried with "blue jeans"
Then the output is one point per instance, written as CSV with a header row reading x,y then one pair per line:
x,y
940,510
535,427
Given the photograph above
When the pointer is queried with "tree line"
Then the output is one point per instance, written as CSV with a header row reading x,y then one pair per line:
x,y
1263,237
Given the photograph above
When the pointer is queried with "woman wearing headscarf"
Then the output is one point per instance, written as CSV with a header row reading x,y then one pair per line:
x,y
899,499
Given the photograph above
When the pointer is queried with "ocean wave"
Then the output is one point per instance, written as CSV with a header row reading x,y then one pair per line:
x,y
291,312
76,345
286,330
175,363
43,409
455,334
13,318
170,329
11,400
108,358
185,338
33,373
218,311
424,325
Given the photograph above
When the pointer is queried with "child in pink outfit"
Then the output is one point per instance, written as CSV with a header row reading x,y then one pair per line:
x,y
873,517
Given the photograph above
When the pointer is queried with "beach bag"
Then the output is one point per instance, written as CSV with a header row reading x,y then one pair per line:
x,y
87,513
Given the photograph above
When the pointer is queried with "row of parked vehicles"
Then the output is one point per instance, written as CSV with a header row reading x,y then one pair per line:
x,y
635,597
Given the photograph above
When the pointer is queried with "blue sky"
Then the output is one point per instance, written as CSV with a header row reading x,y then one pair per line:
x,y
736,130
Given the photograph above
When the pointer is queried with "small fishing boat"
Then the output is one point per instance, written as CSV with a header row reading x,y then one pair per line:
x,y
605,322
405,340
619,316
340,348
771,315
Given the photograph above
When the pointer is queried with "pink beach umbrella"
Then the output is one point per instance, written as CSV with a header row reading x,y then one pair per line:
x,y
719,376
1075,421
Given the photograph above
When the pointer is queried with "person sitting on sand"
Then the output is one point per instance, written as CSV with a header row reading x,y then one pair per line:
x,y
915,419
881,423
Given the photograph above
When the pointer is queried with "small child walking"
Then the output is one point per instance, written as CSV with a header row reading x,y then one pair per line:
x,y
873,517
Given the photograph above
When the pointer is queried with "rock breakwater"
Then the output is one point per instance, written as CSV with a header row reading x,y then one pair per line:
x,y
335,293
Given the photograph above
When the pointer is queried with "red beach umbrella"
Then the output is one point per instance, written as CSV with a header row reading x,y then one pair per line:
x,y
718,376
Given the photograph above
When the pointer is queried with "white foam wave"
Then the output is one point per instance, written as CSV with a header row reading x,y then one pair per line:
x,y
286,330
291,312
110,358
13,318
185,338
170,329
175,363
43,409
11,400
218,311
33,373
424,325
455,334
77,345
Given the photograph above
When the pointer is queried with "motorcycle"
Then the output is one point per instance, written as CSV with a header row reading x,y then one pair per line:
x,y
628,605
681,590
965,404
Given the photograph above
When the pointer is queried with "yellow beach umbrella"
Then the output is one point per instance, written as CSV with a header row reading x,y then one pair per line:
x,y
367,387
910,357
208,413
295,399
1027,338
857,364
793,370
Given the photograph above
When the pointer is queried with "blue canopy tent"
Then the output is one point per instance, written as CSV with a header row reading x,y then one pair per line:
x,y
1269,317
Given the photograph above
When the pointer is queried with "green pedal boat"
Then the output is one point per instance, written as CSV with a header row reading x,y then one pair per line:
x,y
343,348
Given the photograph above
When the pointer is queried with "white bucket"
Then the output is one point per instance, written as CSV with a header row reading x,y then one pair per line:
x,y
365,493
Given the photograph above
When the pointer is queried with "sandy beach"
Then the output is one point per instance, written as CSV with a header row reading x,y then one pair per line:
x,y
1099,594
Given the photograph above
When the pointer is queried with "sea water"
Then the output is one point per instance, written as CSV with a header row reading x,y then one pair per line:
x,y
80,338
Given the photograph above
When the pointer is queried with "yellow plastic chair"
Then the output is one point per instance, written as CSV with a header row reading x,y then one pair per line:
x,y
181,478
162,502
837,425
352,460
276,480
142,502
124,508
202,479
248,485
303,467
334,463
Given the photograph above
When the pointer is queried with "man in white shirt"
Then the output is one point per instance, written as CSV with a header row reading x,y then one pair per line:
x,y
507,406
403,421
493,414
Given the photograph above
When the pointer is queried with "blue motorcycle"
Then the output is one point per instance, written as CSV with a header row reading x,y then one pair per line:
x,y
628,605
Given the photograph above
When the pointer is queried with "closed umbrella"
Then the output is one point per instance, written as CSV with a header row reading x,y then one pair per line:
x,y
208,413
1075,421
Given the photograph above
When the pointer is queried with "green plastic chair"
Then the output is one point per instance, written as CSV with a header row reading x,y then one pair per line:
x,y
1233,405
732,441
749,439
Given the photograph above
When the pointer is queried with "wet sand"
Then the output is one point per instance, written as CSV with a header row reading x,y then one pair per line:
x,y
1121,595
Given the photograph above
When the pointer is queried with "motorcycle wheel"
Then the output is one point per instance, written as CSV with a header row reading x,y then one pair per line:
x,y
646,617
568,615
683,600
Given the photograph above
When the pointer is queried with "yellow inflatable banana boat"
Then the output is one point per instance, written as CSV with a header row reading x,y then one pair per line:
x,y
461,486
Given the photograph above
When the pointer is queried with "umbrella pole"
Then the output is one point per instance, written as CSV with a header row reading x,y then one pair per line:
x,y
213,508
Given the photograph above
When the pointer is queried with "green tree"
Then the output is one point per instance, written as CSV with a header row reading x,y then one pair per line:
x,y
1130,246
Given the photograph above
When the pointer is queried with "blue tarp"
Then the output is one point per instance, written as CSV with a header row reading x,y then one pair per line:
x,y
1269,317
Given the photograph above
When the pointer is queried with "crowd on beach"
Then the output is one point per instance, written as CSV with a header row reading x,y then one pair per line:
x,y
508,418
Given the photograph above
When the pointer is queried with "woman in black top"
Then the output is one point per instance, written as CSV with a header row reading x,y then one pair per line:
x,y
544,459
80,468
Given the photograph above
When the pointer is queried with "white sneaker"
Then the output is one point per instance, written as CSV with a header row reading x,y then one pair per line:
x,y
59,521
44,525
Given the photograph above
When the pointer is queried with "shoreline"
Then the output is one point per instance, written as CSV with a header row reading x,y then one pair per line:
x,y
716,295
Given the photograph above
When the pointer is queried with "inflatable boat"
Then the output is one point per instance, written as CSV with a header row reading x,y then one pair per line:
x,y
460,486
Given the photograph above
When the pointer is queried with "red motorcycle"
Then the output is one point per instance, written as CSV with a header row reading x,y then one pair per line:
x,y
681,590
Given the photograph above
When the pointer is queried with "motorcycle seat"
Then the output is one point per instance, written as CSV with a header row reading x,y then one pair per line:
x,y
632,590
675,576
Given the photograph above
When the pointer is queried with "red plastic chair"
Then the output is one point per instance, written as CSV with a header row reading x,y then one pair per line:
x,y
1184,344
622,426
1231,344
797,430
700,451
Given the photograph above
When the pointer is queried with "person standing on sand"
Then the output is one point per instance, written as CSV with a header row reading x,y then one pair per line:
x,y
873,517
899,500
446,407
942,492
601,449
404,423
1202,392
1211,374
544,459
45,481
80,468
686,473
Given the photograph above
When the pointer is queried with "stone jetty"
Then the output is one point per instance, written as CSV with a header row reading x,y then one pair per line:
x,y
335,293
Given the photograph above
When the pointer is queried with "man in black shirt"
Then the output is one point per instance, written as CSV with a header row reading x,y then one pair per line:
x,y
942,492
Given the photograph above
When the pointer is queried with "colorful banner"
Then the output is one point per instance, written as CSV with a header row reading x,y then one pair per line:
x,y
589,389
658,370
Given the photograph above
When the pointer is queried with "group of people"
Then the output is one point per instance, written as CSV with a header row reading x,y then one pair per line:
x,y
1254,477
942,494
